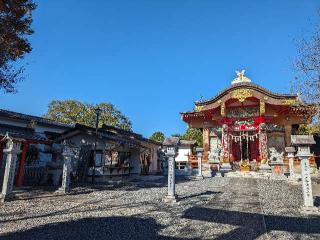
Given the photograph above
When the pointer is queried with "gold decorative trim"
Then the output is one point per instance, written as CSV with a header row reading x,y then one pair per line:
x,y
198,108
241,94
223,109
288,101
262,107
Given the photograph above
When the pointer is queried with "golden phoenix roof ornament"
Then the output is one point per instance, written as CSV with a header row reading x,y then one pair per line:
x,y
241,78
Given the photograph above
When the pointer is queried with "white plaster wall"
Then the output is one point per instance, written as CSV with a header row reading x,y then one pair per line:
x,y
183,152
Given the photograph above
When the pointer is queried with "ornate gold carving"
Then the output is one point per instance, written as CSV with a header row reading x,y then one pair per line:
x,y
241,94
262,107
241,78
198,108
288,101
223,109
265,98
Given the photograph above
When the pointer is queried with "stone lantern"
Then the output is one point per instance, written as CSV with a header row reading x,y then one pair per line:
x,y
12,151
290,153
199,152
303,143
67,156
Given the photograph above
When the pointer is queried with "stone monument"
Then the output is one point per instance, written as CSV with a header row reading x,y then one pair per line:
x,y
303,143
199,152
171,197
12,150
67,155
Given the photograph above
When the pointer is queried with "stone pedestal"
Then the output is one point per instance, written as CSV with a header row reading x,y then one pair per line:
x,y
265,168
12,150
225,168
171,197
277,169
67,155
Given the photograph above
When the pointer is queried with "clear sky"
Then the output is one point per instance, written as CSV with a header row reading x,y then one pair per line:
x,y
154,58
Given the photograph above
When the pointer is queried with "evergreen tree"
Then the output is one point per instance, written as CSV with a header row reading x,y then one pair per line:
x,y
71,111
158,137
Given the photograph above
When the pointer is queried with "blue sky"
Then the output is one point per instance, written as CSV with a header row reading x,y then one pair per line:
x,y
153,59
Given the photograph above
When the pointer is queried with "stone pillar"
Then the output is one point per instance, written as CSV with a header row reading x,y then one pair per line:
x,y
303,142
171,197
290,151
306,183
67,155
12,150
287,132
199,152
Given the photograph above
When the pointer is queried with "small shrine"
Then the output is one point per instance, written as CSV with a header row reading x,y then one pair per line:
x,y
246,124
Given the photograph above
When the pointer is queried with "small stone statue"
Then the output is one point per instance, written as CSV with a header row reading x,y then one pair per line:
x,y
275,155
214,156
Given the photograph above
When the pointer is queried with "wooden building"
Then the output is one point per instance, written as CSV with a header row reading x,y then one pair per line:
x,y
119,152
245,121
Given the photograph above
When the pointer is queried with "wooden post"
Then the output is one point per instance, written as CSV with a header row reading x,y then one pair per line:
x,y
20,174
206,140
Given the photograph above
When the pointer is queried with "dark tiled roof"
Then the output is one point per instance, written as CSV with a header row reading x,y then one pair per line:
x,y
110,133
38,120
187,142
248,85
302,139
21,133
171,141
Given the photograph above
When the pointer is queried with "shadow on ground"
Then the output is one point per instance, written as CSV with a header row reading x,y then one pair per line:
x,y
253,225
131,228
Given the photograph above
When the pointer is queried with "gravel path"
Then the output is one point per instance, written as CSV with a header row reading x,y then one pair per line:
x,y
213,208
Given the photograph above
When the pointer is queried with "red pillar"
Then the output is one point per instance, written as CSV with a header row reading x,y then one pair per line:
x,y
20,174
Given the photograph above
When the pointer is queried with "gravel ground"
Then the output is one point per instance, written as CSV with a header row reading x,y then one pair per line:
x,y
213,208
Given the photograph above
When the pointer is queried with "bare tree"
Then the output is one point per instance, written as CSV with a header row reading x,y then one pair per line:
x,y
307,80
307,67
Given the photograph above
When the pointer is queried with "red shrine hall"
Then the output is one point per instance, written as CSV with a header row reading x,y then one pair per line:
x,y
246,122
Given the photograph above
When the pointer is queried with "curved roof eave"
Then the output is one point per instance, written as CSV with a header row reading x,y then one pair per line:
x,y
247,85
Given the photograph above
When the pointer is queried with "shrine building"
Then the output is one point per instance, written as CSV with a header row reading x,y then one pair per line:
x,y
245,121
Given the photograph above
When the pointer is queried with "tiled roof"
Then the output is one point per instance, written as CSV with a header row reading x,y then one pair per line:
x,y
302,139
21,133
187,142
176,141
38,120
171,141
248,85
113,135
